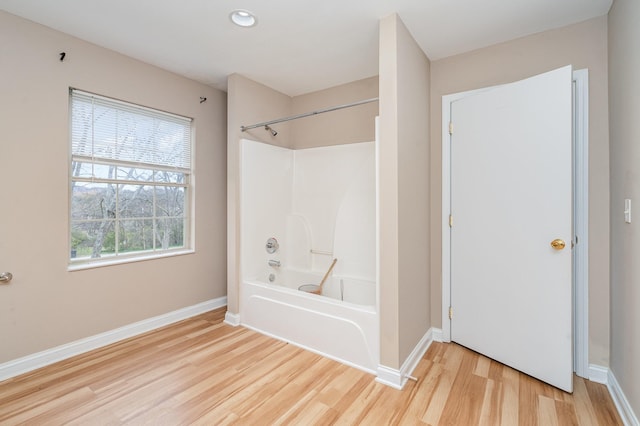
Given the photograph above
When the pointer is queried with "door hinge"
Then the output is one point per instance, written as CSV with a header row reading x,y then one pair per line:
x,y
451,127
450,312
450,221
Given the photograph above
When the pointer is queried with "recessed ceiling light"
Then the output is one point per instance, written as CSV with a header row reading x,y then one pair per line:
x,y
243,18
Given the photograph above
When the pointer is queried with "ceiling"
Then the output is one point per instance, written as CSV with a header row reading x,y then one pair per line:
x,y
298,46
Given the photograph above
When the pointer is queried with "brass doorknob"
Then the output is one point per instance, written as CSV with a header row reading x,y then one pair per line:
x,y
558,244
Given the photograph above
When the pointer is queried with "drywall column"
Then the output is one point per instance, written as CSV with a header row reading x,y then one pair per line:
x,y
624,110
248,102
404,195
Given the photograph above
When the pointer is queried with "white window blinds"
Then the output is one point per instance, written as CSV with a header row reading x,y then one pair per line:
x,y
107,130
130,180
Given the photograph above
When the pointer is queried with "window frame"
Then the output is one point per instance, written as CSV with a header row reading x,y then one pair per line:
x,y
115,183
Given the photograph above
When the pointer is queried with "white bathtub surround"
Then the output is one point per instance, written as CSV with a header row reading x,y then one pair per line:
x,y
320,204
333,189
266,182
398,378
342,331
349,290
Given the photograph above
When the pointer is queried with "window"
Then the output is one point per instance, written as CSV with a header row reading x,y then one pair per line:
x,y
130,180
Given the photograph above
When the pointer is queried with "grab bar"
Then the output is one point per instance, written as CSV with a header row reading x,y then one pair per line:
x,y
326,253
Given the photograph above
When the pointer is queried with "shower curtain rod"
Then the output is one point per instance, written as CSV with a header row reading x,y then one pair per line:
x,y
307,114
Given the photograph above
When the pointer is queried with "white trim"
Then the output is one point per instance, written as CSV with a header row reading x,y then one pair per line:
x,y
598,374
416,355
625,410
41,359
106,260
581,223
83,94
397,378
581,295
378,228
232,319
605,376
446,211
437,334
390,377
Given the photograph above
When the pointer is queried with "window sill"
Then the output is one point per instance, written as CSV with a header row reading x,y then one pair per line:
x,y
89,264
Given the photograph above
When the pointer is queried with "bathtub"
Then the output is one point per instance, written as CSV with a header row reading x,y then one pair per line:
x,y
343,330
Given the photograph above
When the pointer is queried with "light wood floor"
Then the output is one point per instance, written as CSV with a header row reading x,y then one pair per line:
x,y
201,371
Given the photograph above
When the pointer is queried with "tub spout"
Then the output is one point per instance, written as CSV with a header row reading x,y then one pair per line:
x,y
274,263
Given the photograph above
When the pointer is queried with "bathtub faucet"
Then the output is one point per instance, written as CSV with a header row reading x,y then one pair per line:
x,y
274,263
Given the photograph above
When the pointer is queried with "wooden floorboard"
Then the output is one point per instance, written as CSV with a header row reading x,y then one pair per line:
x,y
202,371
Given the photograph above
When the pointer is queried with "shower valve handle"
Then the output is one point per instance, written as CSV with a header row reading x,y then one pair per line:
x,y
272,245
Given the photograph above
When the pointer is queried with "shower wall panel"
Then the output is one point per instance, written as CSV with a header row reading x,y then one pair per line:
x,y
334,190
266,176
319,203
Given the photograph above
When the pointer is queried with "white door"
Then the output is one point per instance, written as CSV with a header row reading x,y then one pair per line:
x,y
511,197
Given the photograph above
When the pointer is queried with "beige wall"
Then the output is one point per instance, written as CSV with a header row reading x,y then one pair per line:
x,y
349,125
624,114
45,305
582,45
404,193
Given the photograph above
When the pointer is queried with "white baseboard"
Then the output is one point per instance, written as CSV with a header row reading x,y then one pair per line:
x,y
605,376
398,378
437,334
390,377
598,374
232,319
629,418
40,359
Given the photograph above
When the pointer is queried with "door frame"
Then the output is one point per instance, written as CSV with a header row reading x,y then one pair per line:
x,y
580,217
